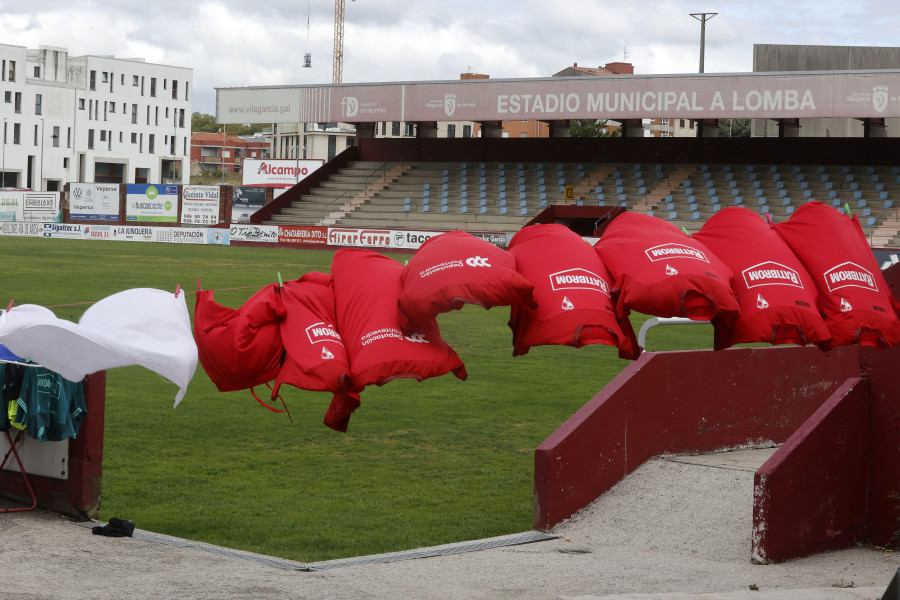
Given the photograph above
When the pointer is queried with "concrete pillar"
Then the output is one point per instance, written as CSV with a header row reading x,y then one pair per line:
x,y
632,128
365,130
708,128
559,129
789,128
874,128
492,129
426,129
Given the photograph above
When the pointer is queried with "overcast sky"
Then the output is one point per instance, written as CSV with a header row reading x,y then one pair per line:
x,y
229,43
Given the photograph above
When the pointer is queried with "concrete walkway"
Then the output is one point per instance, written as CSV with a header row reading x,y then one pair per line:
x,y
676,529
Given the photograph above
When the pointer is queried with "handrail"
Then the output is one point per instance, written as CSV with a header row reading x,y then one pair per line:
x,y
881,214
383,167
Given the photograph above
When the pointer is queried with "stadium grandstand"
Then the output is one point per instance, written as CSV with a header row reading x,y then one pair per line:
x,y
827,134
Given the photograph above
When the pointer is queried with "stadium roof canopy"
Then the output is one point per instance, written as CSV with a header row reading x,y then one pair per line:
x,y
864,94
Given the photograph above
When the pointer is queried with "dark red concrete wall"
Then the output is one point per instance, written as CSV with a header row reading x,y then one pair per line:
x,y
681,402
79,495
810,496
884,461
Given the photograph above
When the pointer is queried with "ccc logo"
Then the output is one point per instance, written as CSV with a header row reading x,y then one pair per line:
x,y
477,261
417,337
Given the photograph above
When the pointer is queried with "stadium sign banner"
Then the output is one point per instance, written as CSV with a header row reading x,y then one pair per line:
x,y
94,201
191,235
98,232
63,230
378,238
295,234
131,233
245,201
200,204
277,173
501,240
151,203
254,233
859,94
42,207
12,206
22,229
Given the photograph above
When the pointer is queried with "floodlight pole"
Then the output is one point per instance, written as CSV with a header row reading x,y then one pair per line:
x,y
703,18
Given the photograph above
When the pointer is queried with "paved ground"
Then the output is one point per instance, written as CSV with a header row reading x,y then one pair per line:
x,y
676,529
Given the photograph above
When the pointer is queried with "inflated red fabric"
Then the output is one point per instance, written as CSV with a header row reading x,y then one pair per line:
x,y
660,271
853,295
777,295
316,358
240,348
456,268
367,288
572,289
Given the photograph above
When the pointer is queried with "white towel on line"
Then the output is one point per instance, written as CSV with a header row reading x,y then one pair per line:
x,y
141,326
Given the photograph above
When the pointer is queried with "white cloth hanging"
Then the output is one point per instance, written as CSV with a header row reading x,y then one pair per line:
x,y
140,326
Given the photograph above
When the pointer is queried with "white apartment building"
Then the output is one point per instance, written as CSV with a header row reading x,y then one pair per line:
x,y
91,119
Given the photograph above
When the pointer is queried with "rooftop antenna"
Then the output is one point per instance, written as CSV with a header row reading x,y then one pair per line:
x,y
624,53
307,58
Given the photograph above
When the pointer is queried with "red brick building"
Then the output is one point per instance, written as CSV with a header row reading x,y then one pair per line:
x,y
217,152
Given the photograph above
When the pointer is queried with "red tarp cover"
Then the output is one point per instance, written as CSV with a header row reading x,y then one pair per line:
x,y
858,306
776,294
367,287
456,268
572,289
660,271
316,358
240,348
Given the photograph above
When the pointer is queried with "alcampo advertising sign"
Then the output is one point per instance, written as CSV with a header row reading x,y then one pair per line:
x,y
277,173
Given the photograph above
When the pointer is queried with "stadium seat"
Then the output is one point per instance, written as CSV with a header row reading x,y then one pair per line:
x,y
524,210
871,221
406,205
502,210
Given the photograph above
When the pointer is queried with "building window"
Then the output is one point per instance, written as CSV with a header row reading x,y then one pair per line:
x,y
7,97
56,136
17,134
105,76
410,130
12,70
81,104
68,137
37,72
174,89
37,104
105,109
65,162
93,81
135,81
151,143
102,135
3,70
153,87
112,107
181,118
186,95
122,82
451,130
134,114
36,135
134,137
142,85
90,139
395,128
148,114
18,103
467,131
664,122
156,117
141,143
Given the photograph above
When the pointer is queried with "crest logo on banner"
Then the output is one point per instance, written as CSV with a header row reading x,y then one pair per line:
x,y
450,104
349,106
880,97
